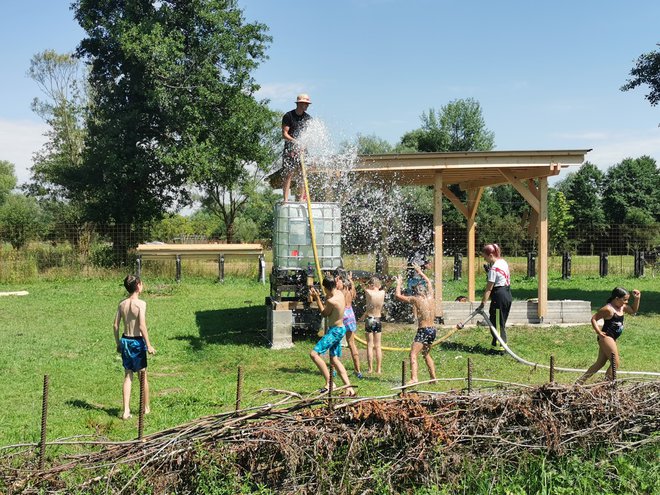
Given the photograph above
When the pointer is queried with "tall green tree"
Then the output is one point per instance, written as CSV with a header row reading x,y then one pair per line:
x,y
632,183
559,221
170,83
8,179
583,190
57,166
646,71
458,126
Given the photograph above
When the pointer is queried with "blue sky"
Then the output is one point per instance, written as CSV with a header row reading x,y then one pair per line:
x,y
547,74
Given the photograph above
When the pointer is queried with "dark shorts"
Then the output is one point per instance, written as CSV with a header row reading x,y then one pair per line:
x,y
373,325
290,160
331,341
133,353
425,336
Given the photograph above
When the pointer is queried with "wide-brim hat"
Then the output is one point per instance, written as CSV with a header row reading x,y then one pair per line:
x,y
303,98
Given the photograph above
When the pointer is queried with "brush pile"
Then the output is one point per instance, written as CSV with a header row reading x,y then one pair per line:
x,y
303,445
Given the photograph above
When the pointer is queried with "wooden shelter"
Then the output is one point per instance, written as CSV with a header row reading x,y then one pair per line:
x,y
526,171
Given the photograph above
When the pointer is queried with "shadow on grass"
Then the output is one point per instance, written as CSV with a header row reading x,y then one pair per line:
x,y
83,404
473,349
234,326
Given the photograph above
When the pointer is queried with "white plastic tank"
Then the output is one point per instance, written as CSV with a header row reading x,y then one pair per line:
x,y
292,241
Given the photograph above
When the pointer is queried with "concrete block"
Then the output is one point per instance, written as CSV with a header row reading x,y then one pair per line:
x,y
280,328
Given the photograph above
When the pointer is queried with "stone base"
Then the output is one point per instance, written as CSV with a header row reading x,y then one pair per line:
x,y
525,312
280,325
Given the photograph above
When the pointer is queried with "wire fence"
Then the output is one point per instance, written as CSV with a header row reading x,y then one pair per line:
x,y
621,250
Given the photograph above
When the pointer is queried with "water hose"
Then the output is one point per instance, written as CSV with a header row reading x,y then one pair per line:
x,y
311,221
538,365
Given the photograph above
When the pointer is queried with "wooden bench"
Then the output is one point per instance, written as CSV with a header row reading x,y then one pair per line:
x,y
213,252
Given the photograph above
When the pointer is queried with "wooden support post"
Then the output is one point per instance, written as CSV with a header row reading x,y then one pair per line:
x,y
543,248
178,268
437,243
404,374
138,266
221,268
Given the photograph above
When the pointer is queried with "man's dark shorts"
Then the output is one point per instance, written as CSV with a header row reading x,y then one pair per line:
x,y
425,336
373,325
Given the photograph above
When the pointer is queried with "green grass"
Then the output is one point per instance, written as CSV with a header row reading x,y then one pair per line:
x,y
204,330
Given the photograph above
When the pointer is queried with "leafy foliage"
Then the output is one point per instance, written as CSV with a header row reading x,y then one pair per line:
x,y
172,93
20,220
646,71
8,179
632,183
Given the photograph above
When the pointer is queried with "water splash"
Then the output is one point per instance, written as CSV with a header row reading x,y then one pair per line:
x,y
374,216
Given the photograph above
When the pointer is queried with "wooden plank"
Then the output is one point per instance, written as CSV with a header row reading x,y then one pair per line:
x,y
455,201
522,189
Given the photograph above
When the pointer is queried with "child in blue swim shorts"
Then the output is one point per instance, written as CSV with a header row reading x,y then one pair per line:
x,y
333,310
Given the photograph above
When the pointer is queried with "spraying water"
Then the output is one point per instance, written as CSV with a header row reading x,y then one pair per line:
x,y
374,215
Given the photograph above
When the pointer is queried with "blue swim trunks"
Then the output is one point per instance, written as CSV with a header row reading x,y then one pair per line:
x,y
331,341
349,320
133,353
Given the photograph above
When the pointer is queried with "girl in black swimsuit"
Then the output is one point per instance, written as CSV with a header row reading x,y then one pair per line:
x,y
612,316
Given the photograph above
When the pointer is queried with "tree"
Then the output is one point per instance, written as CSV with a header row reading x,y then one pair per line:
x,y
235,168
20,220
646,71
632,183
171,84
57,166
560,220
458,126
371,145
8,179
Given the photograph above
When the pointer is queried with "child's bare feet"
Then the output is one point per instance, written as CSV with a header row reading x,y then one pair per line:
x,y
126,415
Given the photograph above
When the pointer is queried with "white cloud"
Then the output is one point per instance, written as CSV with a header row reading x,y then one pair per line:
x,y
19,139
610,148
282,93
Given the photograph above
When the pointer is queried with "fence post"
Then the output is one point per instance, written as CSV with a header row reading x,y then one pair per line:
x,y
221,268
639,263
138,266
613,365
552,369
604,262
239,388
531,265
143,376
566,266
469,376
404,373
262,269
178,268
44,420
458,266
331,385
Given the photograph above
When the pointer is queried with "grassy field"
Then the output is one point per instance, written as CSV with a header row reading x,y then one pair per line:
x,y
204,330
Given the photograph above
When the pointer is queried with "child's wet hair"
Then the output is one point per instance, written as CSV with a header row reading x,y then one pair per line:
x,y
492,249
617,292
131,283
375,281
329,283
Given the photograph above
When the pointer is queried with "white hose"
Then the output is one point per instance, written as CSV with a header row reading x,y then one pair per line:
x,y
538,365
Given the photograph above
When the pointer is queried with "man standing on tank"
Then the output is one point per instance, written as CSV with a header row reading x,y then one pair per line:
x,y
293,123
